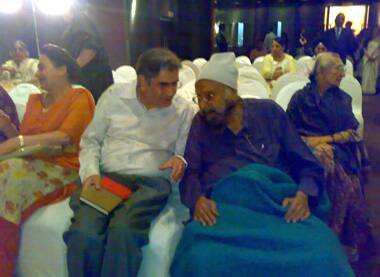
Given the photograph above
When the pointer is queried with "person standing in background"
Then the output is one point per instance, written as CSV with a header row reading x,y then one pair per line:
x,y
301,43
371,59
82,40
221,40
339,39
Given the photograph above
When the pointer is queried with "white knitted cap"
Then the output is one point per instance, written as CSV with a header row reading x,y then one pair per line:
x,y
221,68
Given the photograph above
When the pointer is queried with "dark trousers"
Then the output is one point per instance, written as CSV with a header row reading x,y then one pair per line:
x,y
104,246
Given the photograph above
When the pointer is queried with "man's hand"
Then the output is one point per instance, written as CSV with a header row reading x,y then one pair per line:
x,y
93,180
177,166
299,207
205,211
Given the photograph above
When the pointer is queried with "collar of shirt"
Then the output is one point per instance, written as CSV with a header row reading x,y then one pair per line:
x,y
245,124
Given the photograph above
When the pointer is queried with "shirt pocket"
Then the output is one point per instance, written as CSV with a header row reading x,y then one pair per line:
x,y
121,125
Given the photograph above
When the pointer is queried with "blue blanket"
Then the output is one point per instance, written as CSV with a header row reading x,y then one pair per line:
x,y
251,237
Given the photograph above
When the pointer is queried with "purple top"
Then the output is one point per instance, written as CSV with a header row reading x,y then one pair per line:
x,y
267,137
9,108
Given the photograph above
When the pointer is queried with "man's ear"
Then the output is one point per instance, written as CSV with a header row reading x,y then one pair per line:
x,y
142,81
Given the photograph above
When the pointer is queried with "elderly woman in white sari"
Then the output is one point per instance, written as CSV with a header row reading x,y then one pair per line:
x,y
371,63
20,66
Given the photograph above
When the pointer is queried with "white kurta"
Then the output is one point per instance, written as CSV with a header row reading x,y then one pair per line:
x,y
25,71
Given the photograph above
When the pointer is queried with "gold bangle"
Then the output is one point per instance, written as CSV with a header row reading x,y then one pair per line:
x,y
21,140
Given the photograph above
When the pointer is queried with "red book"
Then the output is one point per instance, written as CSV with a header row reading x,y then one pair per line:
x,y
106,199
116,188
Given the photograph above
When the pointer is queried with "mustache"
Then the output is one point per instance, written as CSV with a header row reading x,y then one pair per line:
x,y
209,111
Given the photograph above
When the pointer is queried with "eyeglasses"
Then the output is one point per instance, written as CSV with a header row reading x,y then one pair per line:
x,y
340,68
207,98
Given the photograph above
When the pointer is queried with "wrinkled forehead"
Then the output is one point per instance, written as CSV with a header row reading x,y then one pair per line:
x,y
205,86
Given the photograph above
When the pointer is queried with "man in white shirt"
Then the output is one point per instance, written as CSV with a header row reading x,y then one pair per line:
x,y
20,67
138,133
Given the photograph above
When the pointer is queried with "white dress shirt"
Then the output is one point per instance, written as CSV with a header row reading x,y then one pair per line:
x,y
126,138
25,71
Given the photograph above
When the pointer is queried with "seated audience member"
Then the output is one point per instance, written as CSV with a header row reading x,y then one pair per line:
x,y
322,114
258,50
9,123
20,66
277,63
243,203
56,118
139,131
318,49
268,40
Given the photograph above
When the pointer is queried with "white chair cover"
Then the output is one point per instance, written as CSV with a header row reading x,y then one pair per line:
x,y
259,59
284,80
349,68
249,73
352,87
258,63
200,62
125,74
304,58
186,75
192,66
243,61
187,91
20,95
252,89
43,251
303,65
286,93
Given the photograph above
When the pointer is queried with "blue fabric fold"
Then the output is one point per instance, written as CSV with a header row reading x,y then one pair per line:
x,y
252,238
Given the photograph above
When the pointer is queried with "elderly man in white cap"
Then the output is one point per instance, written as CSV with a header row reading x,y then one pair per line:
x,y
233,143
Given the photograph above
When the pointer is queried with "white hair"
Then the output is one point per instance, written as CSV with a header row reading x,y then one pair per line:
x,y
324,61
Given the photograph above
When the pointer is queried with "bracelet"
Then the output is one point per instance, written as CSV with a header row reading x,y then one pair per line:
x,y
332,138
21,140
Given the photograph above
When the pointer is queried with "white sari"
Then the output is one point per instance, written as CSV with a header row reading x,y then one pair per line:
x,y
370,68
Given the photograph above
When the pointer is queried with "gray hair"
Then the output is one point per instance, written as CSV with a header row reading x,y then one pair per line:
x,y
151,62
324,61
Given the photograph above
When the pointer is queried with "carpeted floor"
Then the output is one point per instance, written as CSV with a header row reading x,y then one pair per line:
x,y
370,267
